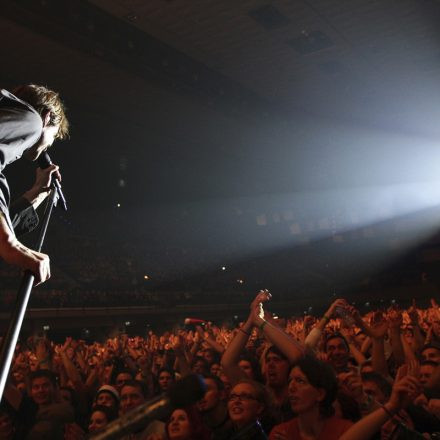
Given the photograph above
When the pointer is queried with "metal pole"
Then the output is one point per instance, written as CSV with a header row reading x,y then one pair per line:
x,y
10,340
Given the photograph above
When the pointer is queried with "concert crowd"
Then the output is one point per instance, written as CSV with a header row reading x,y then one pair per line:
x,y
338,376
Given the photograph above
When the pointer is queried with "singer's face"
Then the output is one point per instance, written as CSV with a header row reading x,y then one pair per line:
x,y
46,140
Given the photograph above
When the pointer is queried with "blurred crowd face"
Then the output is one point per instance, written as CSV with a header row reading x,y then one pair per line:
x,y
7,429
21,386
179,427
33,362
431,354
337,353
98,420
303,396
18,376
372,389
42,391
247,368
209,356
199,367
131,397
244,407
106,399
120,380
436,329
276,370
159,360
165,380
212,397
226,384
426,373
93,362
70,353
215,369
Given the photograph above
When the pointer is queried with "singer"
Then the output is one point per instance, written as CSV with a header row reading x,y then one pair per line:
x,y
31,119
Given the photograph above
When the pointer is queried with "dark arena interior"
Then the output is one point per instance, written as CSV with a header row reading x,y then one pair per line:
x,y
219,148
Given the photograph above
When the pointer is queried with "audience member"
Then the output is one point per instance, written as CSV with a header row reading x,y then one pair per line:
x,y
313,378
312,391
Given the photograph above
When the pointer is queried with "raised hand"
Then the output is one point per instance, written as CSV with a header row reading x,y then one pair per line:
x,y
262,296
413,313
332,310
308,321
66,344
43,352
257,310
177,344
347,333
395,318
378,326
405,391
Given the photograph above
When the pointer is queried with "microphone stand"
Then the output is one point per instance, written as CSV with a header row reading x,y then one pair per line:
x,y
137,418
10,339
184,392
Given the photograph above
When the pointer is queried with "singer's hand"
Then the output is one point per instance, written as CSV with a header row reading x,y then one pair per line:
x,y
40,267
41,186
44,176
17,254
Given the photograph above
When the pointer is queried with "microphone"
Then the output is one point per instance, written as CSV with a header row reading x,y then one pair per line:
x,y
44,162
185,392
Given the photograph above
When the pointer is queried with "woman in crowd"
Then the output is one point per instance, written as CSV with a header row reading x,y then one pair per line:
x,y
165,378
186,424
312,390
249,364
248,405
100,417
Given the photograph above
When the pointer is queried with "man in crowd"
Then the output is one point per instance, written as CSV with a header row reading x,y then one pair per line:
x,y
122,378
30,121
41,411
214,409
276,374
376,386
338,352
431,352
133,394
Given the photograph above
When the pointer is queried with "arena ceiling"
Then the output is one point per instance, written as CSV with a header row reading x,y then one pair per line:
x,y
319,56
310,55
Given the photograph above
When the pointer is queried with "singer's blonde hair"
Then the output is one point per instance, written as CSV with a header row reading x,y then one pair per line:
x,y
43,100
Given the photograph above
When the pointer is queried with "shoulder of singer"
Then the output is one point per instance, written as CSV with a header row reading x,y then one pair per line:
x,y
20,127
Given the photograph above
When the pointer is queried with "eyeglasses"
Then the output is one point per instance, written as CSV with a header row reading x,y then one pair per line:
x,y
242,397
